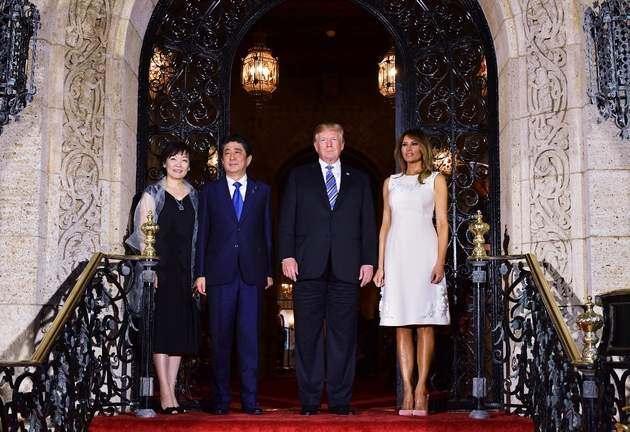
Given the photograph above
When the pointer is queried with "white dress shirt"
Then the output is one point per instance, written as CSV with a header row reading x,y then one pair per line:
x,y
243,189
336,170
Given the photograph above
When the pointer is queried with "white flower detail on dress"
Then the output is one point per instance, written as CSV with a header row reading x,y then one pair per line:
x,y
383,309
443,305
441,309
394,182
430,311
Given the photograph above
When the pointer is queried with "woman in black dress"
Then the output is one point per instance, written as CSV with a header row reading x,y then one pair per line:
x,y
173,202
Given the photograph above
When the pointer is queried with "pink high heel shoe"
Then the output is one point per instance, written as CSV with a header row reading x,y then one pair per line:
x,y
422,413
405,412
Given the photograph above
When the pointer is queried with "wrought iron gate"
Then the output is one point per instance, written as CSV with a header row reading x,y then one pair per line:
x,y
446,84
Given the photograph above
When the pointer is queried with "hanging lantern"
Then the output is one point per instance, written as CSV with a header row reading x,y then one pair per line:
x,y
259,74
161,68
387,75
18,37
606,25
443,161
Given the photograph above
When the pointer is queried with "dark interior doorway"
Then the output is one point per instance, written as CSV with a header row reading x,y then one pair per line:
x,y
328,66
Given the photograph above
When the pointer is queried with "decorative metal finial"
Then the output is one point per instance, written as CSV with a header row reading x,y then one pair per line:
x,y
589,322
478,228
149,228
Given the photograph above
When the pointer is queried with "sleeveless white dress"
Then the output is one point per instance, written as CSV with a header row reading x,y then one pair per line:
x,y
411,249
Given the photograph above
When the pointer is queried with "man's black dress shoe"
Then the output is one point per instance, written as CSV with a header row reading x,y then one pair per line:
x,y
341,410
308,410
220,410
253,409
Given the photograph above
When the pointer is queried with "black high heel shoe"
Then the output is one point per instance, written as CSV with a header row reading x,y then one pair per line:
x,y
168,410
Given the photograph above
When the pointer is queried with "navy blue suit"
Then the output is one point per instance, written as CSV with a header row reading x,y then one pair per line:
x,y
235,257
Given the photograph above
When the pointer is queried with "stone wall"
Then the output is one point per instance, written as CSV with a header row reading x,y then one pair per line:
x,y
70,161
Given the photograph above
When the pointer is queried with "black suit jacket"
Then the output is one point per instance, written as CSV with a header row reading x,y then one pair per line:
x,y
309,231
227,246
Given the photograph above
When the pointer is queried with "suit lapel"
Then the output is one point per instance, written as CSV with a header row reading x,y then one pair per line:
x,y
320,183
346,181
250,195
224,196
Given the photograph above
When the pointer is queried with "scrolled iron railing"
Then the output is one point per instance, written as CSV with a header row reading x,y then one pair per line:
x,y
87,362
545,376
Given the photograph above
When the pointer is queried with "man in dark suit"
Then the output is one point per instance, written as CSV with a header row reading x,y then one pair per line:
x,y
233,266
327,244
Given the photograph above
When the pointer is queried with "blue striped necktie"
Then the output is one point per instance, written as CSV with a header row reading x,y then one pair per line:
x,y
237,200
331,187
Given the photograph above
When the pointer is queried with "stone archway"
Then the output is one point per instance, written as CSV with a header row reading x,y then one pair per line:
x,y
539,46
447,83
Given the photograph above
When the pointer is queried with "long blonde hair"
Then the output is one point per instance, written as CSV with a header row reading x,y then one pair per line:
x,y
425,150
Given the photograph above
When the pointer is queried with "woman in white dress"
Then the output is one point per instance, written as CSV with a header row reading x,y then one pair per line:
x,y
411,262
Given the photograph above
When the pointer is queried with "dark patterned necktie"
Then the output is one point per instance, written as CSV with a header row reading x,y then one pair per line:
x,y
331,187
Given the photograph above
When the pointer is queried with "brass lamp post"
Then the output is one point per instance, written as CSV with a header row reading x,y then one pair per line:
x,y
149,260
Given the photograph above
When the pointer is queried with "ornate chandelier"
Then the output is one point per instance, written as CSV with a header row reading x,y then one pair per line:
x,y
387,75
19,22
609,60
259,74
161,69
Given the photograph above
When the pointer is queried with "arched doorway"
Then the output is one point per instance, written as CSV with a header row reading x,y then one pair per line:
x,y
446,84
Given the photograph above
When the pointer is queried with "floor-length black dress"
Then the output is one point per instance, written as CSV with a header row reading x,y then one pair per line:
x,y
176,319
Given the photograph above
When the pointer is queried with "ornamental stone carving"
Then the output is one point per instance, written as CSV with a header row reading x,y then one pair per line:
x,y
82,149
548,140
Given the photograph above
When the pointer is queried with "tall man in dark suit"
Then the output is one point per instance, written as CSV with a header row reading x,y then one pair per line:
x,y
327,244
233,267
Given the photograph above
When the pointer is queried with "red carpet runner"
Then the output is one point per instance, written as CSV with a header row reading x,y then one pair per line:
x,y
289,421
373,401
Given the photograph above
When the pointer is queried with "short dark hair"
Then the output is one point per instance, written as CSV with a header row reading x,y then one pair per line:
x,y
175,148
238,139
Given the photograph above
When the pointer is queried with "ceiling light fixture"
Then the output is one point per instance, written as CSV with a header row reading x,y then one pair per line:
x,y
387,75
259,74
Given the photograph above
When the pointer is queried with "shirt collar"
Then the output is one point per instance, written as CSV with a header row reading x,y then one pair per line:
x,y
336,166
242,181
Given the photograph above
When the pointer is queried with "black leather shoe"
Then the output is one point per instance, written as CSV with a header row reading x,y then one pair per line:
x,y
252,409
341,410
308,410
220,409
